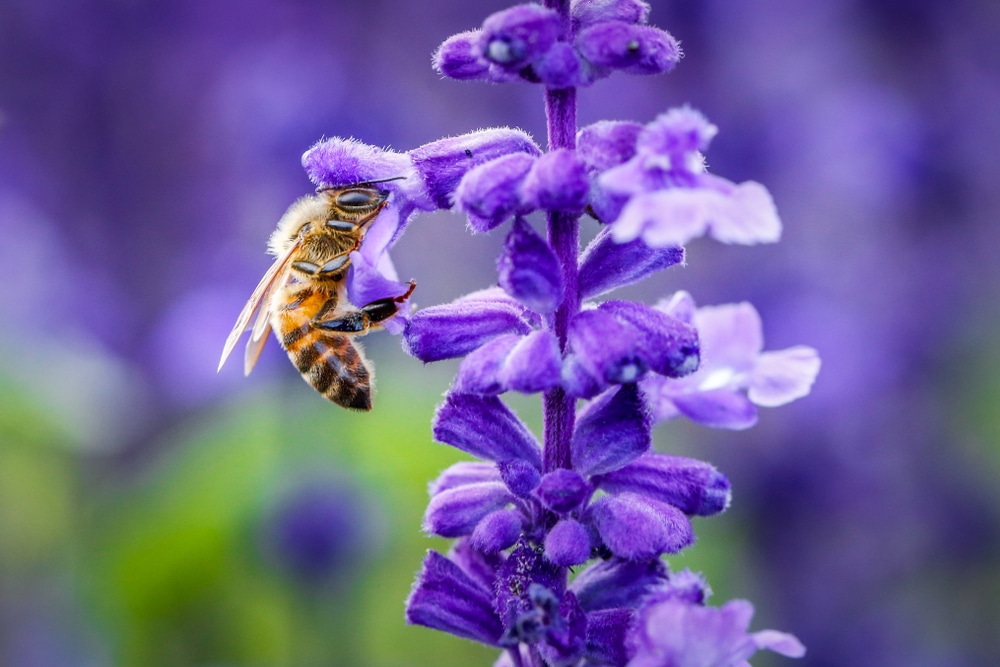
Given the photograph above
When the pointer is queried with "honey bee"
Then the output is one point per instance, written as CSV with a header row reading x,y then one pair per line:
x,y
303,296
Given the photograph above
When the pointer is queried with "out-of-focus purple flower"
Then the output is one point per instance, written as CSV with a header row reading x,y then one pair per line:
x,y
736,375
673,633
663,194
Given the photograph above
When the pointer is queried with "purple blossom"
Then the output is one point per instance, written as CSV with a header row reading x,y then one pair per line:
x,y
736,375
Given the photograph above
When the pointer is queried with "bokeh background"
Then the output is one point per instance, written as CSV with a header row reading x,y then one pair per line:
x,y
153,512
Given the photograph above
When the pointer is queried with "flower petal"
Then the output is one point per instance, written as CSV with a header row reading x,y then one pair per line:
x,y
480,371
497,531
718,408
519,35
605,347
558,182
337,162
567,543
486,428
462,474
606,636
692,486
460,57
783,376
667,345
529,270
636,528
611,431
456,511
455,329
442,163
606,264
636,49
445,598
534,364
491,192
617,582
607,143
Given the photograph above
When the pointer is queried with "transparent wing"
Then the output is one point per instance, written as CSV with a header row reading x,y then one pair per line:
x,y
256,299
258,334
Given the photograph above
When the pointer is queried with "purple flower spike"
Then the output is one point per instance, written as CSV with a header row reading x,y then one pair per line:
x,y
455,512
736,376
528,269
635,49
588,12
460,57
446,598
516,37
441,164
558,182
692,486
685,635
491,192
497,531
606,265
611,431
636,528
568,543
484,427
563,491
455,329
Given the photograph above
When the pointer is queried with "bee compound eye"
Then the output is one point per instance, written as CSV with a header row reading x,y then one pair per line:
x,y
360,198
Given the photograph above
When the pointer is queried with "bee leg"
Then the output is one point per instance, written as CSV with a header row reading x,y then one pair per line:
x,y
361,320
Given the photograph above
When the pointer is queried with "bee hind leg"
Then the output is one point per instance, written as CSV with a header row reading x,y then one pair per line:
x,y
361,320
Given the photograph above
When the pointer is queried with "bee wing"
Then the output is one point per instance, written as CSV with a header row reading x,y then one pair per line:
x,y
256,299
258,336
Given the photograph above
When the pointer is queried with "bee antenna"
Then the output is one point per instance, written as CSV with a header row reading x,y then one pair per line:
x,y
325,188
383,180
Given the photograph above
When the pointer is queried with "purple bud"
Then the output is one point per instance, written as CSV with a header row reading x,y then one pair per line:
x,y
455,329
463,473
519,476
446,598
692,486
606,265
497,531
558,181
455,512
534,364
611,430
529,270
607,143
563,491
442,163
339,162
634,49
460,57
667,346
568,543
587,12
480,371
486,428
518,36
618,583
605,347
560,67
636,528
491,192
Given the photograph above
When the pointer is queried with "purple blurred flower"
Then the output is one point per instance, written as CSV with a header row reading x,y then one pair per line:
x,y
736,374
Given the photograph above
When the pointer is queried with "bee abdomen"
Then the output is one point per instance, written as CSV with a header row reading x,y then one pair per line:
x,y
332,365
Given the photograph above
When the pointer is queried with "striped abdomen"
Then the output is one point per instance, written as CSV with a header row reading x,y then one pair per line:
x,y
329,362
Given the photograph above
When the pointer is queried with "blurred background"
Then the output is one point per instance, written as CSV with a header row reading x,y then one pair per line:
x,y
153,512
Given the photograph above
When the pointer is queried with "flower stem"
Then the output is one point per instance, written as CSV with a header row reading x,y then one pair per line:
x,y
564,237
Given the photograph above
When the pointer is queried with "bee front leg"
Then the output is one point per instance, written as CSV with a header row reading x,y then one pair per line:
x,y
361,320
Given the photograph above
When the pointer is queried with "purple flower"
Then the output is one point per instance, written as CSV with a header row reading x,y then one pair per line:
x,y
673,633
662,192
736,375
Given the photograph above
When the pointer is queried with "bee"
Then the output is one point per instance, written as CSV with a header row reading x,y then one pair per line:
x,y
303,295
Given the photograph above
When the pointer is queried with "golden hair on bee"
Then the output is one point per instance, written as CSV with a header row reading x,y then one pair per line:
x,y
303,295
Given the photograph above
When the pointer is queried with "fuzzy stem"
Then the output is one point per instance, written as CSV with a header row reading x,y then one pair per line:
x,y
564,237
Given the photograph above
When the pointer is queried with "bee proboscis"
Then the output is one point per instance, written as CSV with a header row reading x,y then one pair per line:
x,y
303,295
